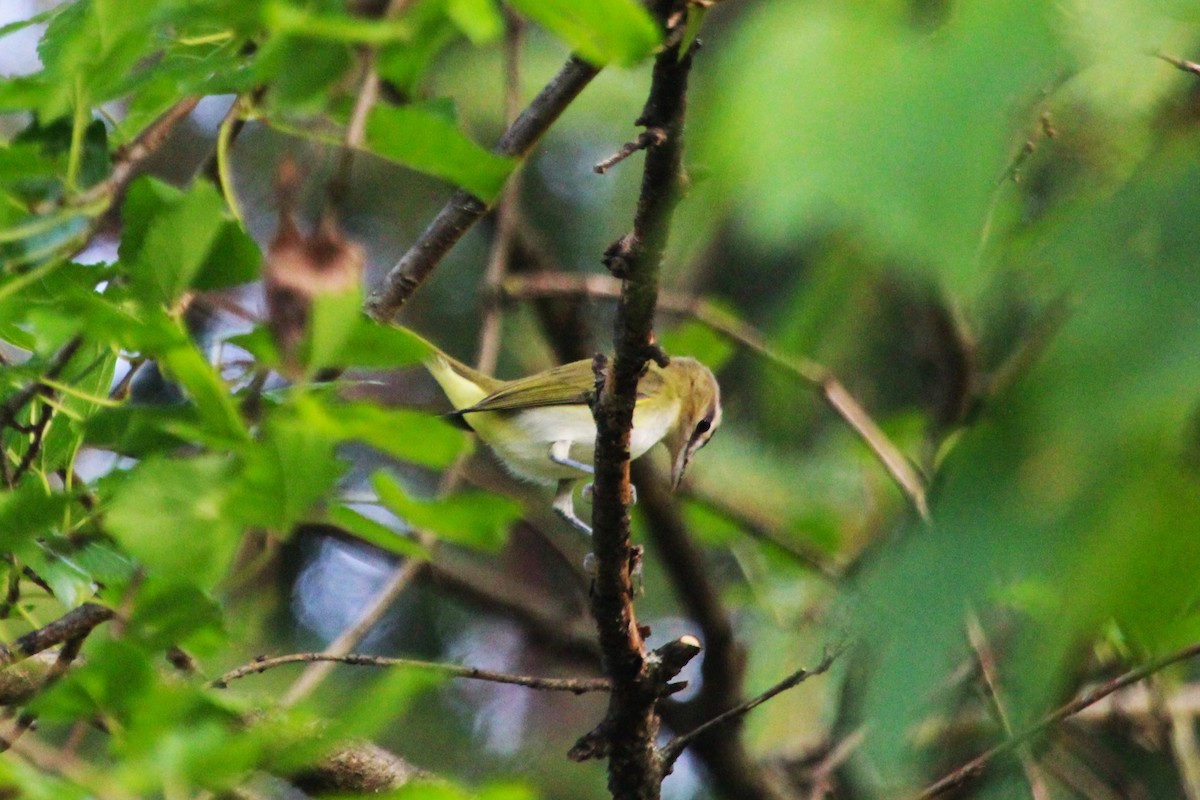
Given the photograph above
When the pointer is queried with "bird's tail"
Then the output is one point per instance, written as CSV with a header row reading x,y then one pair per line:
x,y
464,386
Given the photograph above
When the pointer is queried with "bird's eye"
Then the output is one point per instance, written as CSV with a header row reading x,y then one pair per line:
x,y
702,426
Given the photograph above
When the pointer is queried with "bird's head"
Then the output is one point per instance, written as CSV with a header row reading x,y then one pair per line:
x,y
699,412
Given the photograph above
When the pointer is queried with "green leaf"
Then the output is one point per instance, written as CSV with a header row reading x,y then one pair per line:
x,y
90,52
367,713
920,193
260,344
426,142
284,18
480,20
103,562
27,512
234,259
169,236
176,517
111,680
375,533
168,614
200,380
371,344
403,433
35,19
405,65
300,70
70,584
474,519
89,375
601,31
699,341
333,321
288,472
139,430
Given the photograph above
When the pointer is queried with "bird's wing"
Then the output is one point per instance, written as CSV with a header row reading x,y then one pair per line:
x,y
569,384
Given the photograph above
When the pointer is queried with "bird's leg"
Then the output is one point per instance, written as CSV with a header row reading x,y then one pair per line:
x,y
564,505
560,453
587,493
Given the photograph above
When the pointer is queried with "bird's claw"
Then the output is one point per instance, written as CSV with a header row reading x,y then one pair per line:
x,y
589,489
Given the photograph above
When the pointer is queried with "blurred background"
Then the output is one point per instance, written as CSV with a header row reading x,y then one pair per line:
x,y
982,217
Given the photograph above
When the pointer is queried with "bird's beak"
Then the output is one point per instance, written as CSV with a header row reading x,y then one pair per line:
x,y
677,446
678,466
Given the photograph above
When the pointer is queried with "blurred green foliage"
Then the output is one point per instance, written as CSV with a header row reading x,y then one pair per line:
x,y
982,216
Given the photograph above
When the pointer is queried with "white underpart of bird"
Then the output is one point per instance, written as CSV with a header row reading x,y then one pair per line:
x,y
553,442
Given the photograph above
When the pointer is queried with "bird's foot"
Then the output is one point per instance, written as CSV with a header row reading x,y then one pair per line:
x,y
564,506
589,490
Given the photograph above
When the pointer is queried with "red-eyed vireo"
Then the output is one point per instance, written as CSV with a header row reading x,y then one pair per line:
x,y
542,430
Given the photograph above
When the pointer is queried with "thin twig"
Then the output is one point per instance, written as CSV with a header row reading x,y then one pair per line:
x,y
35,443
573,685
14,404
673,749
12,408
976,766
836,395
822,775
66,656
343,644
507,209
1179,63
986,658
651,137
128,157
463,209
222,174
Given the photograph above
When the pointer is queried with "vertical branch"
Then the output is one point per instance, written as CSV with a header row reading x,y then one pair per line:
x,y
631,725
733,771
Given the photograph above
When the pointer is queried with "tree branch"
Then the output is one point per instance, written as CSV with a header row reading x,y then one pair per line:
x,y
464,209
507,208
1181,64
128,157
362,768
349,638
631,724
733,770
75,624
573,685
976,766
817,375
676,746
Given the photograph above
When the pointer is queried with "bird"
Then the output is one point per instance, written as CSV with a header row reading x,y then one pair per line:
x,y
541,427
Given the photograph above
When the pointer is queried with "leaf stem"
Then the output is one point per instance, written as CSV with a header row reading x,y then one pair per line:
x,y
78,126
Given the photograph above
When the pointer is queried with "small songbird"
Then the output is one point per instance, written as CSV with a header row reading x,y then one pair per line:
x,y
542,430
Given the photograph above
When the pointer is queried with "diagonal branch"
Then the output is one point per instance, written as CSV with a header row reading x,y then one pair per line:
x,y
975,767
340,647
465,209
127,159
74,625
676,746
901,470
